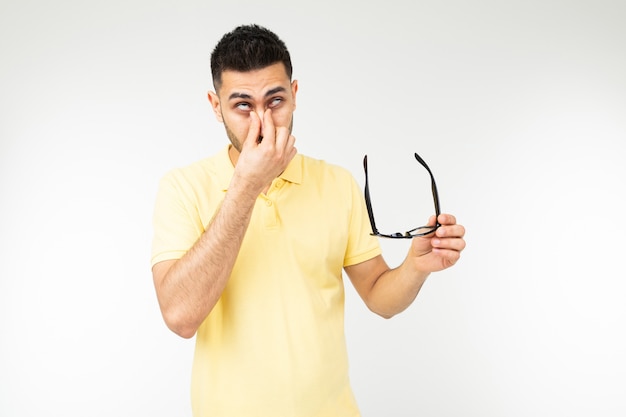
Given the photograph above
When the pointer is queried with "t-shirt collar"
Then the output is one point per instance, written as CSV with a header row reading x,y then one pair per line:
x,y
293,172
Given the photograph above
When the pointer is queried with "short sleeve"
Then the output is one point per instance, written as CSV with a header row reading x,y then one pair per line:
x,y
176,224
362,246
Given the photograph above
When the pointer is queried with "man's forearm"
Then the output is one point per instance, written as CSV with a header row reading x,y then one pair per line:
x,y
193,284
395,290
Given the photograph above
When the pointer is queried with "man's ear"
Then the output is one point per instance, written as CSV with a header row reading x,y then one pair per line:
x,y
215,104
294,90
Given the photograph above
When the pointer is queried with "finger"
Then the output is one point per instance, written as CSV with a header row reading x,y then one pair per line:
x,y
291,143
455,244
455,230
291,147
448,257
432,220
269,130
446,219
285,149
282,138
253,130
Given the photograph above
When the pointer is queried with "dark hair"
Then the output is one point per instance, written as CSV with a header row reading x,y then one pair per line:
x,y
248,48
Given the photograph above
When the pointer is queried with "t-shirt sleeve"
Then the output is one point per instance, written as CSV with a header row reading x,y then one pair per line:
x,y
362,246
176,226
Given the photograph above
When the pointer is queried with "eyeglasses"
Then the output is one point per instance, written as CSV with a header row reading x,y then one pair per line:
x,y
418,231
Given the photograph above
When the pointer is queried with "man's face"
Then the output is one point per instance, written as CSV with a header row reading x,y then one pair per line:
x,y
255,91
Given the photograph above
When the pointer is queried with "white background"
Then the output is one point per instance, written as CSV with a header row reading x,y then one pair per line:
x,y
519,108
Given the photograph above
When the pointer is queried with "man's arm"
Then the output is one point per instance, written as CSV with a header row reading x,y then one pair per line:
x,y
189,288
387,291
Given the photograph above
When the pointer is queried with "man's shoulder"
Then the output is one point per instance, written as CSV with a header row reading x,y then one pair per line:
x,y
329,173
215,169
312,163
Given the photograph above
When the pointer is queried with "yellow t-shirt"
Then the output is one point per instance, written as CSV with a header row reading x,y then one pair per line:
x,y
274,344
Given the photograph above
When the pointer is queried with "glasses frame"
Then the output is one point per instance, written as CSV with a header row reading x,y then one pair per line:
x,y
410,234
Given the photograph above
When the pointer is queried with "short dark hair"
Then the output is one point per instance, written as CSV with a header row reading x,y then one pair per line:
x,y
248,48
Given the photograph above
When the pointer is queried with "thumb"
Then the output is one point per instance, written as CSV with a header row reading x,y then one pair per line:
x,y
253,131
422,244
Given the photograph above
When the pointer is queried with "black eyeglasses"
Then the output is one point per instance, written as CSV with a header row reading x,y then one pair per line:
x,y
418,231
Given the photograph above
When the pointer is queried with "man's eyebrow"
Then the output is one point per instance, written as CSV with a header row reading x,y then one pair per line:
x,y
239,95
246,96
274,91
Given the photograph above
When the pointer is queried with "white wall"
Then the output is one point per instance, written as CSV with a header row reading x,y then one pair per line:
x,y
517,106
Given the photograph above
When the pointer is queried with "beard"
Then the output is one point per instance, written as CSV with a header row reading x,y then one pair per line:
x,y
233,138
236,142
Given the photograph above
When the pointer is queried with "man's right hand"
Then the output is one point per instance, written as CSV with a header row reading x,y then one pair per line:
x,y
260,162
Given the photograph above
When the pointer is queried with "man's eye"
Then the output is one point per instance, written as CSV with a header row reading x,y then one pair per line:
x,y
275,102
243,106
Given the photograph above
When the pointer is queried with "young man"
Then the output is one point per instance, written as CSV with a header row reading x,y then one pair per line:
x,y
250,244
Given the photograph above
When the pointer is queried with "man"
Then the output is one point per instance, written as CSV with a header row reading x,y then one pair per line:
x,y
250,244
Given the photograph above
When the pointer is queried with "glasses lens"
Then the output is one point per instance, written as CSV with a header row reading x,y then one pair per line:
x,y
423,230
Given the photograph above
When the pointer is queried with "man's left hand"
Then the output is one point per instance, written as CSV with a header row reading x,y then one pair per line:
x,y
440,250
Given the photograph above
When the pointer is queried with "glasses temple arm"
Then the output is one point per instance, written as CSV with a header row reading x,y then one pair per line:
x,y
368,202
433,187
